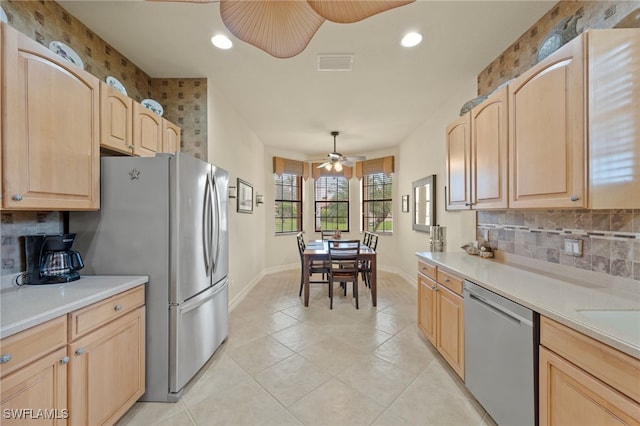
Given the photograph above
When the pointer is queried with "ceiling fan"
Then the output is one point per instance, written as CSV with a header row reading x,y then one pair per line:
x,y
283,28
335,160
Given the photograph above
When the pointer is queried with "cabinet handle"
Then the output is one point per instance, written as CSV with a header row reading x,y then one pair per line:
x,y
64,360
446,280
79,351
5,358
131,146
16,197
574,198
434,288
117,308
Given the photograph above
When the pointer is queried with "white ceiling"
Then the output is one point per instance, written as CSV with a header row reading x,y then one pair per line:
x,y
288,103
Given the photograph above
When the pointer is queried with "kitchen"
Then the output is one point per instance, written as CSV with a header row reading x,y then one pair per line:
x,y
414,159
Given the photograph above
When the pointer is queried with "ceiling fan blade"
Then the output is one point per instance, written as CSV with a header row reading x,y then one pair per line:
x,y
281,28
356,157
346,162
324,164
352,11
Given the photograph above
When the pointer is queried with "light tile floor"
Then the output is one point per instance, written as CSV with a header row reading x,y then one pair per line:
x,y
284,364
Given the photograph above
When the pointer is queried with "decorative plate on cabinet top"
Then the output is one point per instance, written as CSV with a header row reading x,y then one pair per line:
x,y
3,16
115,83
66,52
153,106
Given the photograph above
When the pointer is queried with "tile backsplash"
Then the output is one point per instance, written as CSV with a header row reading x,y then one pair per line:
x,y
14,225
610,238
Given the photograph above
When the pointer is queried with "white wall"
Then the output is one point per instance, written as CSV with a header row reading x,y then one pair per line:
x,y
422,154
234,147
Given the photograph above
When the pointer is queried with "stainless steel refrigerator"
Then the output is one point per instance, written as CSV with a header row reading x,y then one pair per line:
x,y
165,217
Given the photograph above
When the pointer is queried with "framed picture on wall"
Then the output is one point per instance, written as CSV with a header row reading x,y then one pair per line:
x,y
245,196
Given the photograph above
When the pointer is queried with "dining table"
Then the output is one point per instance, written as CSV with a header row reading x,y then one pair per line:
x,y
319,250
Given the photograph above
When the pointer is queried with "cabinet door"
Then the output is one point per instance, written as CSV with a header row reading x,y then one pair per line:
x,y
37,393
489,143
147,131
427,307
51,134
170,137
546,132
450,328
458,164
116,120
106,374
568,395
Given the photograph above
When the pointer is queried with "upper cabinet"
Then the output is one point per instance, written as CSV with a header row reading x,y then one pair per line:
x,y
547,133
477,156
565,134
574,129
170,137
50,141
147,131
116,125
459,163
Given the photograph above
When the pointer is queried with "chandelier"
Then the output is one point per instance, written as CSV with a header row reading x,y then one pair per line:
x,y
284,28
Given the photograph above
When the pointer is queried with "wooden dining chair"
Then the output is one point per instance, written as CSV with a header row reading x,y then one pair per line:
x,y
365,265
328,234
315,267
366,238
344,268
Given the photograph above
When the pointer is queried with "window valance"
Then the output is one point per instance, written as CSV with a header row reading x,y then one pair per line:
x,y
292,167
317,173
377,165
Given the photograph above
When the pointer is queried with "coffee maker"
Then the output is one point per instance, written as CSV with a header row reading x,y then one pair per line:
x,y
50,260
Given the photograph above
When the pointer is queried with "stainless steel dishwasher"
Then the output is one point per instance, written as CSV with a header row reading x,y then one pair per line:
x,y
500,352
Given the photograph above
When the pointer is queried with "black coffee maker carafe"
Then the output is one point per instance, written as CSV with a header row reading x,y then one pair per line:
x,y
50,259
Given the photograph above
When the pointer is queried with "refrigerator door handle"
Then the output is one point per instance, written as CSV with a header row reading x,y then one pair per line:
x,y
206,227
216,217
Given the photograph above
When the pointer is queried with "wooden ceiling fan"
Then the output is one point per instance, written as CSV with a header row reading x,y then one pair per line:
x,y
283,28
335,160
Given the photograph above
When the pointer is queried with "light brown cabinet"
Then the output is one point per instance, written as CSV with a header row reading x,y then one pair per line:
x,y
147,131
129,128
573,125
441,313
458,164
477,156
170,137
50,145
33,371
83,368
106,372
116,125
577,387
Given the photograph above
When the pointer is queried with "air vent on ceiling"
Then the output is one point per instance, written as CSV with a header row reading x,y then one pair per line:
x,y
340,62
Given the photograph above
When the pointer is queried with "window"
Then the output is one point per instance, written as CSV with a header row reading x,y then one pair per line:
x,y
377,203
332,203
288,190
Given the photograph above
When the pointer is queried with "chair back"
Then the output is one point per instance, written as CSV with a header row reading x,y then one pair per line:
x,y
301,244
344,258
327,234
366,238
373,241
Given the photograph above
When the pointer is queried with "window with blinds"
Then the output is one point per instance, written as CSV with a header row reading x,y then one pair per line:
x,y
331,203
288,201
377,203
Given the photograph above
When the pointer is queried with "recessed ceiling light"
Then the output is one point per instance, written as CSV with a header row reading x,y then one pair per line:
x,y
411,39
221,41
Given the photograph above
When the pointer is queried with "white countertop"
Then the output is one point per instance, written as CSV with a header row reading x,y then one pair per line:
x,y
557,297
29,305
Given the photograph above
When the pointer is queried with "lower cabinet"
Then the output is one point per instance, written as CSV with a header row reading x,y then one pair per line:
x,y
585,382
83,368
441,313
106,373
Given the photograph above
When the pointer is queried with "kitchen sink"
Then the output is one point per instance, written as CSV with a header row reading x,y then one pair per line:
x,y
625,321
